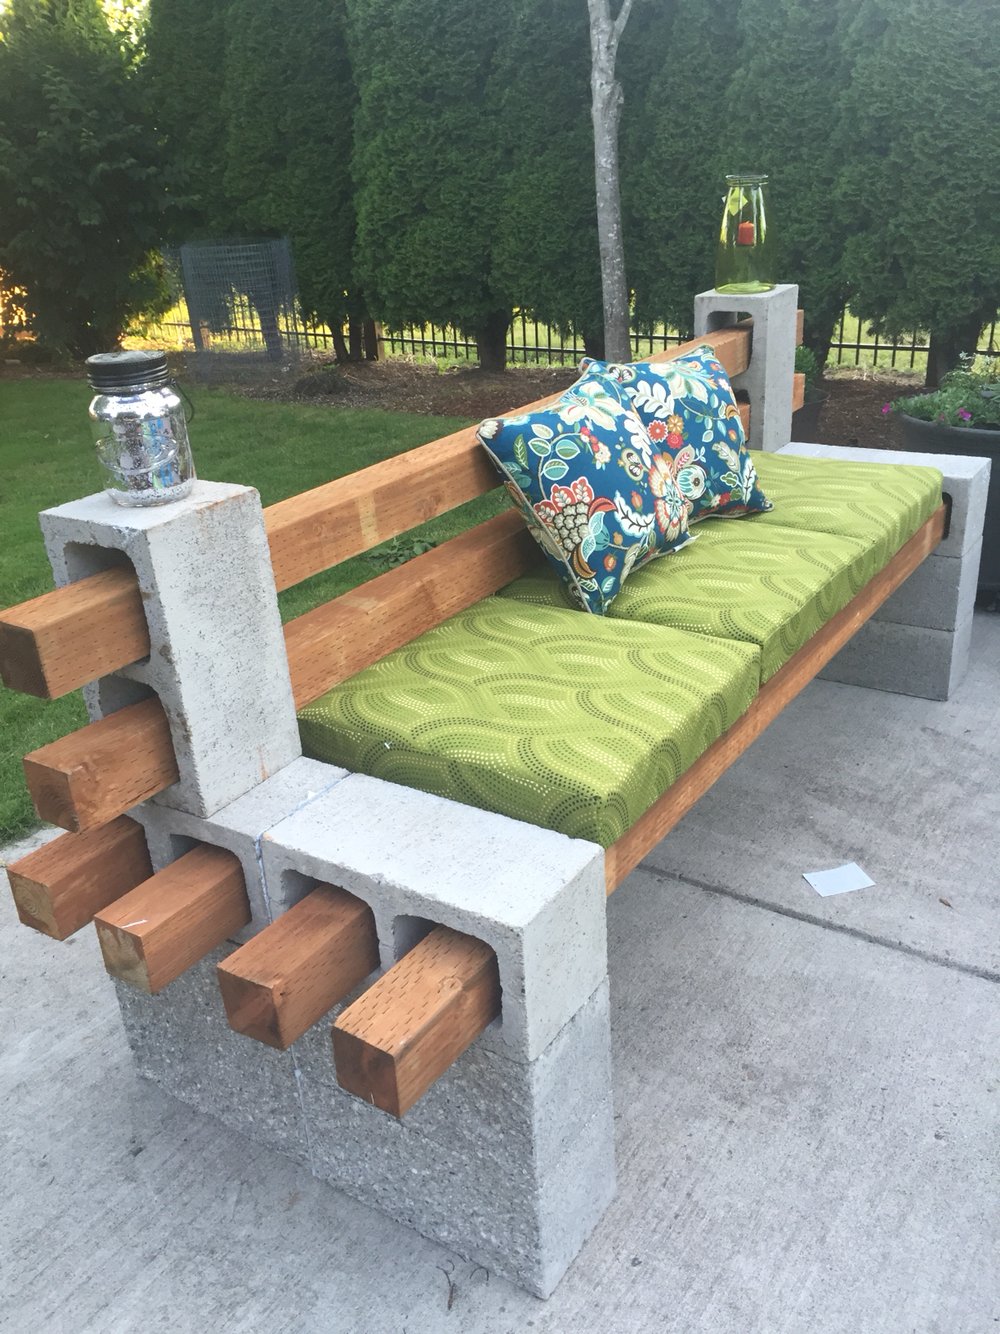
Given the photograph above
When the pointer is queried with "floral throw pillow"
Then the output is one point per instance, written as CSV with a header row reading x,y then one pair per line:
x,y
688,408
597,496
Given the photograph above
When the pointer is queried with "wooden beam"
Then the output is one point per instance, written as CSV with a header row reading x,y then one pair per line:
x,y
94,774
798,390
77,633
58,888
405,1031
339,638
166,924
59,641
800,324
624,855
298,968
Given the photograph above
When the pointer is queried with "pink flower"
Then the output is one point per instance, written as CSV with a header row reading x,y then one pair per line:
x,y
886,409
965,415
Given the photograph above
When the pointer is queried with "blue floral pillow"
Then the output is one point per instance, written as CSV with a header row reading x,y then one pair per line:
x,y
688,408
598,498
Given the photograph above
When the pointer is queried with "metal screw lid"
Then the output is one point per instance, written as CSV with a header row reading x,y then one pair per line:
x,y
126,370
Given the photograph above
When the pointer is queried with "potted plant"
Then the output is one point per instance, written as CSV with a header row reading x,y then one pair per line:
x,y
962,416
805,420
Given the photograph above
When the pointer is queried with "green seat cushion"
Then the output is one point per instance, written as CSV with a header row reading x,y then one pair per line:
x,y
749,581
572,722
881,502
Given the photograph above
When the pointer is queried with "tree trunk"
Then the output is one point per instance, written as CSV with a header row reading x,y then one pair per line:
x,y
947,345
606,107
371,340
354,339
593,343
491,341
340,353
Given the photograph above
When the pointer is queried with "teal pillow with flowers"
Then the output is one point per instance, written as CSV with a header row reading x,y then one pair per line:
x,y
597,496
689,409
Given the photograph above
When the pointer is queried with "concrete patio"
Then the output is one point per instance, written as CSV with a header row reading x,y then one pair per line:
x,y
806,1088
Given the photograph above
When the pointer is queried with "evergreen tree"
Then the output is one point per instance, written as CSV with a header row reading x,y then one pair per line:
x,y
783,112
185,71
289,105
921,180
81,197
428,164
546,249
677,59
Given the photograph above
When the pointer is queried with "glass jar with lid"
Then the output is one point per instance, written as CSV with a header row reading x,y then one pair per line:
x,y
139,428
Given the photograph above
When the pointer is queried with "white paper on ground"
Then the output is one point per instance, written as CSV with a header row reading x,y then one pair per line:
x,y
839,880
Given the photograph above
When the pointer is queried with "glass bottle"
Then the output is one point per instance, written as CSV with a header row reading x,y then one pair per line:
x,y
743,261
139,428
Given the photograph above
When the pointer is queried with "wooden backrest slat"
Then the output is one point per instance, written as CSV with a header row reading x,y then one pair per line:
x,y
320,528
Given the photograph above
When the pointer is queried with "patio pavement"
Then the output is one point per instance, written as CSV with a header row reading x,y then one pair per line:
x,y
806,1088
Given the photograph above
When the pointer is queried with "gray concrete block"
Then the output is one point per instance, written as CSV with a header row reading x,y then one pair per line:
x,y
768,380
239,827
535,896
907,659
181,1041
508,1163
966,480
217,656
939,595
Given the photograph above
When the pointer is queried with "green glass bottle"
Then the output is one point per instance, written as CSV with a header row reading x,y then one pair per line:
x,y
743,262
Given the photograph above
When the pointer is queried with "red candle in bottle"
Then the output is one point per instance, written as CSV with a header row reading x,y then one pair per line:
x,y
745,234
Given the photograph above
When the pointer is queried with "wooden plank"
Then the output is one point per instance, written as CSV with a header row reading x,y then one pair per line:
x,y
624,855
322,527
298,968
96,773
800,324
166,924
798,390
75,634
339,638
405,1031
59,641
58,888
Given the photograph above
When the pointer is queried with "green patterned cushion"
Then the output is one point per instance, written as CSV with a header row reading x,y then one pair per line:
x,y
755,582
883,502
567,721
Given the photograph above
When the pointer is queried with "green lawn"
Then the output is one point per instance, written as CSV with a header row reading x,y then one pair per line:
x,y
46,459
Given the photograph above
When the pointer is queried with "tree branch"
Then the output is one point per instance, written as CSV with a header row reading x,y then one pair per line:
x,y
620,21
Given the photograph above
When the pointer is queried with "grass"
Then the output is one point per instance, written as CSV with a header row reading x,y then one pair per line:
x,y
46,459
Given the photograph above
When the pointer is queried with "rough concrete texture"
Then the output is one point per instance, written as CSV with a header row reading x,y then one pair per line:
x,y
239,827
806,1089
181,1040
933,597
217,657
906,659
768,378
535,896
966,480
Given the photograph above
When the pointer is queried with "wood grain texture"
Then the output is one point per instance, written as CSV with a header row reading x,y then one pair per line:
x,y
798,390
159,929
96,773
405,1031
282,981
339,638
58,888
59,641
624,855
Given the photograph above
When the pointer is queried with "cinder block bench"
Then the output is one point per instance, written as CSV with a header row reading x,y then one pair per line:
x,y
244,894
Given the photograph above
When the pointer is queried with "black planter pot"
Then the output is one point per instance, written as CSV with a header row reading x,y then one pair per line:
x,y
937,438
805,420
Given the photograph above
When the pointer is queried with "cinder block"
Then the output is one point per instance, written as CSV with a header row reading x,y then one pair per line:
x,y
939,595
535,896
906,659
768,380
217,657
966,480
240,826
509,1163
181,1041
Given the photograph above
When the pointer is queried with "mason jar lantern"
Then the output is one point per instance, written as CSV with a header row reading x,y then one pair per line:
x,y
743,261
139,428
